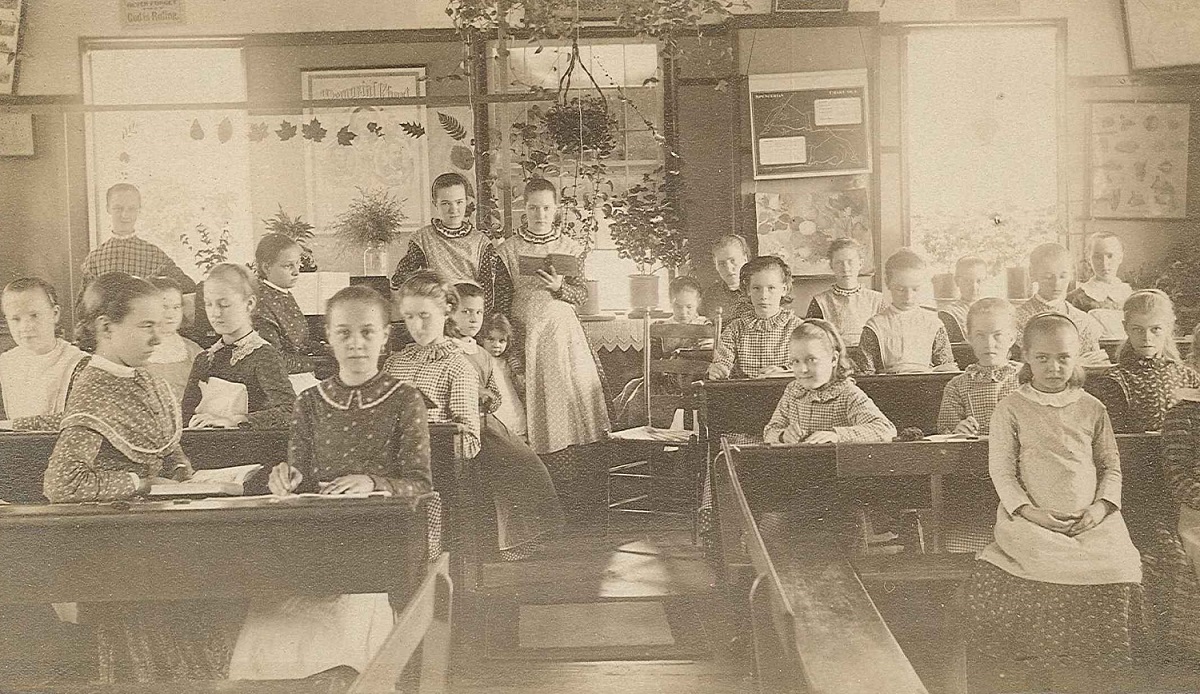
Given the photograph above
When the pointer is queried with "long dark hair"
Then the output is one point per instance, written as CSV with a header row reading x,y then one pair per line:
x,y
110,295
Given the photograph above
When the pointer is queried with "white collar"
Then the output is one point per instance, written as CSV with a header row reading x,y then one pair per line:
x,y
1059,399
276,287
118,370
1117,291
469,345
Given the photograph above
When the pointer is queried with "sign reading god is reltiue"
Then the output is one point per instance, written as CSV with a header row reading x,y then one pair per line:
x,y
137,14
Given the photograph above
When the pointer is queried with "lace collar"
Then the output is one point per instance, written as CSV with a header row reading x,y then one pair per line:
x,y
1060,399
1117,292
827,392
463,229
363,396
846,292
431,352
243,348
172,349
529,235
995,374
775,322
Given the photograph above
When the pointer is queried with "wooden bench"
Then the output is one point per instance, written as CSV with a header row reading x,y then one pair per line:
x,y
815,627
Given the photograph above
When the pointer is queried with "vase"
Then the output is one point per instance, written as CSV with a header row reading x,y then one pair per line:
x,y
591,307
1018,282
375,259
643,291
943,286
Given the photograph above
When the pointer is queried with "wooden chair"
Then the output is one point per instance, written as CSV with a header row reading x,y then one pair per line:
x,y
632,484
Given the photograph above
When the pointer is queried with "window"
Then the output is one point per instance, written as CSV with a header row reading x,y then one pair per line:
x,y
190,165
629,75
980,113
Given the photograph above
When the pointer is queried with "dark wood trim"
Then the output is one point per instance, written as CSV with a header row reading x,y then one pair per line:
x,y
794,20
1141,79
304,38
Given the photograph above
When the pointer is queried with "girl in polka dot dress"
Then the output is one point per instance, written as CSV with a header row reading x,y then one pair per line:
x,y
121,430
360,431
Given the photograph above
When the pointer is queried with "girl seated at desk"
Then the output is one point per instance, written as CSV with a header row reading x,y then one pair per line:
x,y
36,375
822,404
1057,595
757,345
240,380
360,431
120,431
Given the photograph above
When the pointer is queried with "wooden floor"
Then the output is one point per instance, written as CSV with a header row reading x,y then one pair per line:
x,y
643,564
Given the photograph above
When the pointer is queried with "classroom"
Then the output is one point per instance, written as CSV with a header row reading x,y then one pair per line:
x,y
706,346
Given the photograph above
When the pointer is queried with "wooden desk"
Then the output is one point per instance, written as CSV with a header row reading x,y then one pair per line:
x,y
211,548
24,455
744,406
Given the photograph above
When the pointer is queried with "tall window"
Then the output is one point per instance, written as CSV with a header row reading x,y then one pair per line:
x,y
981,141
191,164
629,75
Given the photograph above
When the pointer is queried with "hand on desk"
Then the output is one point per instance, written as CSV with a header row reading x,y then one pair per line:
x,y
284,479
1058,521
968,426
823,437
349,484
203,420
773,371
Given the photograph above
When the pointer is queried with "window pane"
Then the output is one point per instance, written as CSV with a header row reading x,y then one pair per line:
x,y
980,112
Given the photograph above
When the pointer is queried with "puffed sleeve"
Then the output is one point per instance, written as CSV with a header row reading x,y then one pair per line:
x,y
73,474
464,403
1003,449
410,448
872,354
280,397
413,260
953,408
725,353
865,423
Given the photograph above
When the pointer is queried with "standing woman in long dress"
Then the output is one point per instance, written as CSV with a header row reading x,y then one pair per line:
x,y
564,399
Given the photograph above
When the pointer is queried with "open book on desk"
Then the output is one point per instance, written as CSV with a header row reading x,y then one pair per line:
x,y
226,481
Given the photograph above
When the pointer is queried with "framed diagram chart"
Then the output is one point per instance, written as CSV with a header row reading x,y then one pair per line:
x,y
810,124
1139,159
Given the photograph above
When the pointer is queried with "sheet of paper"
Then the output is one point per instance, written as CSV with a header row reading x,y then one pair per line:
x,y
773,151
839,111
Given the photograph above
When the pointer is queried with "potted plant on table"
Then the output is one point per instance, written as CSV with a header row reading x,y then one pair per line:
x,y
297,230
372,222
646,228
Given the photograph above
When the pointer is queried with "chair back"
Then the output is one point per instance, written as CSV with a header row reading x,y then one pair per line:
x,y
689,364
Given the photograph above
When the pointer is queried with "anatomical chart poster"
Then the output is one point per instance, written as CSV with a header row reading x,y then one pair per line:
x,y
1139,156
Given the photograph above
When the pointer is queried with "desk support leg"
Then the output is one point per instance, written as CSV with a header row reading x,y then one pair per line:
x,y
937,502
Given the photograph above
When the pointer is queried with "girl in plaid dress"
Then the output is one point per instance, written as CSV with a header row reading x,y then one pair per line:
x,y
822,404
969,398
756,346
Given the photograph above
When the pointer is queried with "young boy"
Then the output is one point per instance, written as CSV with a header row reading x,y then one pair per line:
x,y
1050,265
126,251
847,304
904,337
729,255
969,273
453,247
1104,294
970,397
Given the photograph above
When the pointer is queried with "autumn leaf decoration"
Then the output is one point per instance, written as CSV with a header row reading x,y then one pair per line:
x,y
312,130
375,129
286,131
452,127
258,132
345,136
413,129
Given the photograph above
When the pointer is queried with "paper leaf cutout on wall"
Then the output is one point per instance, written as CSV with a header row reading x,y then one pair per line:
x,y
413,129
123,157
258,132
225,130
312,130
375,129
197,131
451,125
345,136
462,157
286,131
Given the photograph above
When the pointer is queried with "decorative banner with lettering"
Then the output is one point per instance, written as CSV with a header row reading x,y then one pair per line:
x,y
141,14
810,124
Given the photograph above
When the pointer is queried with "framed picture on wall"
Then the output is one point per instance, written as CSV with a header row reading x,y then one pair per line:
x,y
810,124
1138,159
798,224
391,146
10,41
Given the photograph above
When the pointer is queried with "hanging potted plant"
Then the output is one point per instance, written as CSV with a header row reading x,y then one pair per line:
x,y
297,230
645,227
372,222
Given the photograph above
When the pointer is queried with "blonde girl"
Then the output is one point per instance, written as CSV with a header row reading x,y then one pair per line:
x,y
241,357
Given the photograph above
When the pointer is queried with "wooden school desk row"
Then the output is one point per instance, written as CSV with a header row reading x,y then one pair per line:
x,y
786,542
